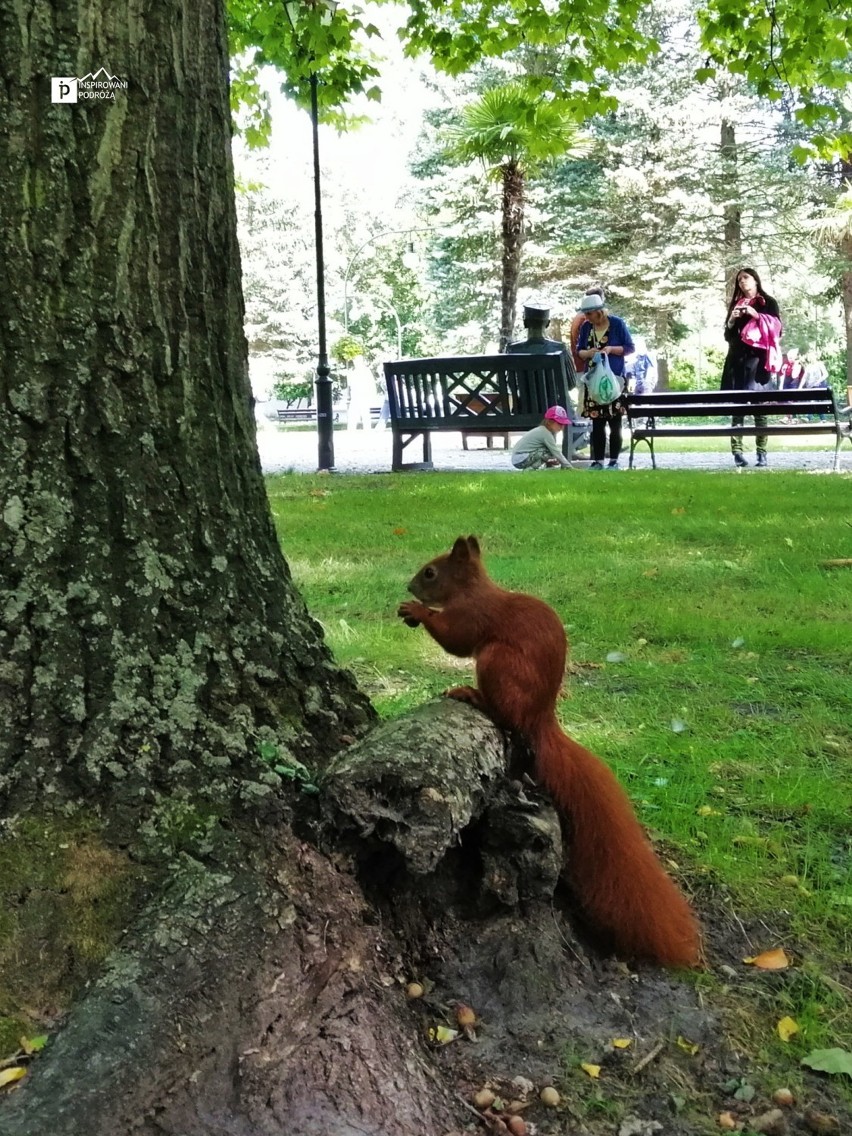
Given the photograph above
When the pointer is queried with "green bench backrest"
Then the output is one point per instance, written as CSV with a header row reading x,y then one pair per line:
x,y
485,390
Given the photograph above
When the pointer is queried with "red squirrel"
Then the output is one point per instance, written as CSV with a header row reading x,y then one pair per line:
x,y
520,647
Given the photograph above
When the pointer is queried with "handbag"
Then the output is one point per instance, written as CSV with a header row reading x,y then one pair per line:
x,y
602,385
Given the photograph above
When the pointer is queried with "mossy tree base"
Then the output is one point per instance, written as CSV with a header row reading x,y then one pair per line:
x,y
262,990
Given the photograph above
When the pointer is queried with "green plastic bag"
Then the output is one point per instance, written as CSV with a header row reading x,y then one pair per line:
x,y
603,386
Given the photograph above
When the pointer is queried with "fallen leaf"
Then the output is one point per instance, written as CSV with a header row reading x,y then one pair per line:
x,y
738,643
689,1047
594,1071
678,512
400,532
707,811
787,1028
9,1076
823,1123
32,1045
622,1042
770,960
830,1061
787,540
635,1126
442,1035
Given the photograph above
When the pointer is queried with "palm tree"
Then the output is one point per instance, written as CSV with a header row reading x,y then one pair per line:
x,y
835,229
514,130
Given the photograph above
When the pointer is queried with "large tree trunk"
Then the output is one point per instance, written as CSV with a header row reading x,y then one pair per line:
x,y
732,239
662,324
155,660
846,297
151,637
513,240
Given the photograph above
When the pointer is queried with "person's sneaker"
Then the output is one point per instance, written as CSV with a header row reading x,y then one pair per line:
x,y
740,461
596,465
762,463
612,465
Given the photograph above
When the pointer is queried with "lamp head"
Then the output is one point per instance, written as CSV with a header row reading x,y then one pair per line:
x,y
410,259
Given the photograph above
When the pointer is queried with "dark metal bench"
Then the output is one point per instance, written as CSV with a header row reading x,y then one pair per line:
x,y
298,414
472,394
651,415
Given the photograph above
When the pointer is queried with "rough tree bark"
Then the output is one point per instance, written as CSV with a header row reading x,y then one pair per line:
x,y
256,993
513,240
150,634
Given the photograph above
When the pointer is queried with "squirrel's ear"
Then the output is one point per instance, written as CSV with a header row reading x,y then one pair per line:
x,y
473,546
460,550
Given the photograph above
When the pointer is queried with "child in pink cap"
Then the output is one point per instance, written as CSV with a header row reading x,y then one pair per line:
x,y
537,449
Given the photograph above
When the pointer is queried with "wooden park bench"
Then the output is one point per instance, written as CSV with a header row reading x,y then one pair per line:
x,y
473,395
671,414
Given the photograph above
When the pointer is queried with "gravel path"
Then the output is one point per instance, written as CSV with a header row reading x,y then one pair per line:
x,y
282,449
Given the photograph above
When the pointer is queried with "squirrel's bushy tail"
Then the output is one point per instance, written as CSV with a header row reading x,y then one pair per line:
x,y
612,867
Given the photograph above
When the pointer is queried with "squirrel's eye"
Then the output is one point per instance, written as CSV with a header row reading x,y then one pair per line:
x,y
429,573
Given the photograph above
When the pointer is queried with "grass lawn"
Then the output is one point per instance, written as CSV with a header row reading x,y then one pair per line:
x,y
710,652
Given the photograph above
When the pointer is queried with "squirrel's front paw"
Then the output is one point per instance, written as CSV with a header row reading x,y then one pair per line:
x,y
411,613
467,694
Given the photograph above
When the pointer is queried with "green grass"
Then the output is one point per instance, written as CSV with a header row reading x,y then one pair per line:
x,y
708,584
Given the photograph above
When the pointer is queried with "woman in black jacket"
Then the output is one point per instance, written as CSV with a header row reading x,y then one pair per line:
x,y
746,365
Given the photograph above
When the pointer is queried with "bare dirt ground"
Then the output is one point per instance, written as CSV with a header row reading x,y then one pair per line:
x,y
284,448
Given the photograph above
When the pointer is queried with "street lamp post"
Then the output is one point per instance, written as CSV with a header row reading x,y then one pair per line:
x,y
325,412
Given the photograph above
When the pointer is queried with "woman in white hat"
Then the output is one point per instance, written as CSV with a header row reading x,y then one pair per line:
x,y
608,335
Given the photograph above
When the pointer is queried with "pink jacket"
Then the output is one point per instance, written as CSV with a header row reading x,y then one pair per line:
x,y
765,331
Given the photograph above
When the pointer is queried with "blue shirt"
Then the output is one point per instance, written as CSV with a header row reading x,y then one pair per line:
x,y
617,335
